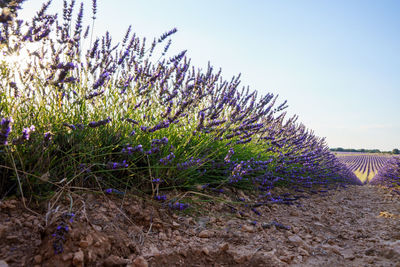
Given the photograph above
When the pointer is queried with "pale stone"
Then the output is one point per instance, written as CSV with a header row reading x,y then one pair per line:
x,y
248,228
140,262
206,251
206,234
37,259
78,258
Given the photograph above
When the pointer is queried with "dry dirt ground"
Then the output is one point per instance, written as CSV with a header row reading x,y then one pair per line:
x,y
357,226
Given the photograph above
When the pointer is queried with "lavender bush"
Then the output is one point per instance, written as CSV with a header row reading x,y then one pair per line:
x,y
389,175
100,114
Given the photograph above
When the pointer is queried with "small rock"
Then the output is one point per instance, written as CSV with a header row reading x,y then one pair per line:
x,y
288,259
274,207
154,251
206,234
347,254
162,236
91,256
240,259
139,262
303,252
183,253
248,228
97,228
295,229
295,239
3,263
224,247
12,238
294,213
89,240
206,251
334,249
78,258
114,260
83,244
175,224
67,257
37,259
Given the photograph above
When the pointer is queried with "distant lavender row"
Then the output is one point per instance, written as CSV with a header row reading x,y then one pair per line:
x,y
365,165
389,175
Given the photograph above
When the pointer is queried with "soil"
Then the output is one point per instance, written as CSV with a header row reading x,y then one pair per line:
x,y
357,226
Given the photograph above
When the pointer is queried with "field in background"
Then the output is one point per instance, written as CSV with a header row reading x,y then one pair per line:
x,y
364,165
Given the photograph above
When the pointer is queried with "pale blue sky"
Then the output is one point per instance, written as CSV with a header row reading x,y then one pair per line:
x,y
336,62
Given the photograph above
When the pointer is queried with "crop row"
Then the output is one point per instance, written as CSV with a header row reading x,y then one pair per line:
x,y
365,166
128,117
389,175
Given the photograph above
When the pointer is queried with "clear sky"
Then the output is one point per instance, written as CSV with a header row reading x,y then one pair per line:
x,y
336,62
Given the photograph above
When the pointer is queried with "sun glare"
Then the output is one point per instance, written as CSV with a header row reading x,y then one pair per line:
x,y
18,59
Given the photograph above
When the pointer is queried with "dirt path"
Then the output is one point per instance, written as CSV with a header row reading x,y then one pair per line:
x,y
357,226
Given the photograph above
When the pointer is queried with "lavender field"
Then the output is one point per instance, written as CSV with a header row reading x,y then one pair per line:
x,y
86,120
364,165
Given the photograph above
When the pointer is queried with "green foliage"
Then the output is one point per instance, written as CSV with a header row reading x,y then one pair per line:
x,y
362,150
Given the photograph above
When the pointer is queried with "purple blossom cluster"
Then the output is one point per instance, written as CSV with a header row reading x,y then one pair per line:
x,y
26,133
61,231
178,206
189,163
112,190
161,198
129,149
95,124
167,159
5,129
117,165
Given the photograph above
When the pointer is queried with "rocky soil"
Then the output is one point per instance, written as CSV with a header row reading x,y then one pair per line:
x,y
357,226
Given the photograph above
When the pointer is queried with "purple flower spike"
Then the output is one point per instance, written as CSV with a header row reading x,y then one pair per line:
x,y
161,198
5,129
167,159
108,191
95,124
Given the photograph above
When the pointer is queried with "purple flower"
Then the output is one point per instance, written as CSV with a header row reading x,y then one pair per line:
x,y
5,129
161,198
131,121
117,165
157,181
71,126
102,79
190,163
165,35
95,124
129,150
112,190
47,136
93,94
108,191
167,159
178,206
26,132
153,150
